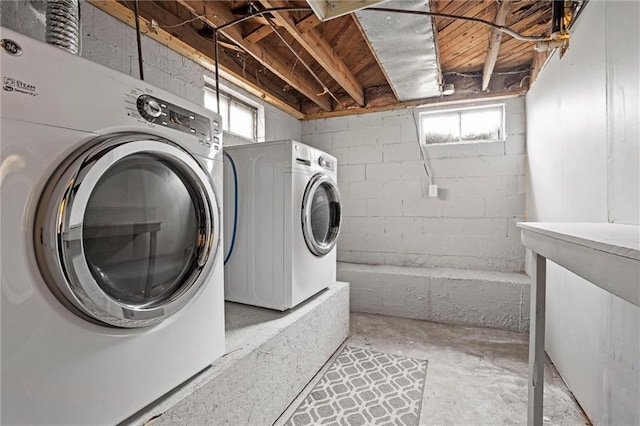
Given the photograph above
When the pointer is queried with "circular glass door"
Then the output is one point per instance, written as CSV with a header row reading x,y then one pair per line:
x,y
321,215
130,231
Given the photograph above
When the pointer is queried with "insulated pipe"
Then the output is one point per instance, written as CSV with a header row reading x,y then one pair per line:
x,y
63,24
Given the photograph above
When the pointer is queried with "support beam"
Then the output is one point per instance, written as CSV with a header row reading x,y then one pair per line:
x,y
191,46
313,42
258,34
309,22
494,44
215,13
539,59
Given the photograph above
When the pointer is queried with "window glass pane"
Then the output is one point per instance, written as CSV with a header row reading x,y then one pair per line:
x,y
321,215
210,102
140,231
482,124
441,128
242,120
224,112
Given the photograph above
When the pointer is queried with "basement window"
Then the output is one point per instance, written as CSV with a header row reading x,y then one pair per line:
x,y
238,117
465,125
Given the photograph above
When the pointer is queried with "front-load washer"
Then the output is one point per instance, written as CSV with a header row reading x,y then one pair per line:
x,y
112,274
287,211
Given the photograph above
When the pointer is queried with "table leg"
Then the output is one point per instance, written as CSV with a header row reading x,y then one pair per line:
x,y
536,340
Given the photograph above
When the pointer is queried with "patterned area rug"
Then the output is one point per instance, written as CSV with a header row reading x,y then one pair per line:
x,y
364,387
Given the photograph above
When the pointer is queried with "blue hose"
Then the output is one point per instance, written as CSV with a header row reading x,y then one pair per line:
x,y
235,207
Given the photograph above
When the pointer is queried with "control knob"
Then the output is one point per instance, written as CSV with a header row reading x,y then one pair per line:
x,y
149,108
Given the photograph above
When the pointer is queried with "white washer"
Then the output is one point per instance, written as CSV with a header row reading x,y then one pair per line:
x,y
112,275
288,221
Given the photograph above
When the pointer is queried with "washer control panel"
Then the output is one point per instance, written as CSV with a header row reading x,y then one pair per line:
x,y
163,113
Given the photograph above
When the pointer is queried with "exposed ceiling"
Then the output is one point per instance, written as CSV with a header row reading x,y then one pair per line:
x,y
317,69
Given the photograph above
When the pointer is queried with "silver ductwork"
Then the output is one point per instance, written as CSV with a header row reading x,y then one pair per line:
x,y
63,24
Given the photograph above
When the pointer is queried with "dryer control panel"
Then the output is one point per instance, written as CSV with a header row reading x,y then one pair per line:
x,y
167,114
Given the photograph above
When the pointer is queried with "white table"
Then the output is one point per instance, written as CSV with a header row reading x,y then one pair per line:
x,y
606,254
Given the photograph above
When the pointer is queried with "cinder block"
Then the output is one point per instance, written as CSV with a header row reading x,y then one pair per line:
x,y
476,298
350,173
505,206
377,134
354,207
384,171
383,243
323,141
365,154
361,257
349,138
488,227
430,244
384,207
471,206
328,125
516,145
401,152
512,229
403,225
425,207
443,226
515,123
402,189
372,225
413,170
465,150
367,189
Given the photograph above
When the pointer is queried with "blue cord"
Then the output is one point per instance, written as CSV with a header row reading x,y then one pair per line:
x,y
235,207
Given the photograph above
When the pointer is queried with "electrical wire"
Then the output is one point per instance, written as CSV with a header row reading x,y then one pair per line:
x,y
422,156
324,88
235,207
139,42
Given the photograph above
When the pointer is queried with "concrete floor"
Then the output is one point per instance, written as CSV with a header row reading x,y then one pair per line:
x,y
475,376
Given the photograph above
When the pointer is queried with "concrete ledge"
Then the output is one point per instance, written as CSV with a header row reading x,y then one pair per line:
x,y
454,296
270,358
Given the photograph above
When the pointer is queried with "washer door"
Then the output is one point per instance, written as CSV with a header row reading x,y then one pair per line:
x,y
127,231
321,214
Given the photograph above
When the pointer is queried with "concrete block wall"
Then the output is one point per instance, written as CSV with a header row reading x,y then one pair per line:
x,y
109,42
388,218
453,296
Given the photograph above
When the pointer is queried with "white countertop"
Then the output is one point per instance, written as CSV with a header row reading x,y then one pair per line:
x,y
613,238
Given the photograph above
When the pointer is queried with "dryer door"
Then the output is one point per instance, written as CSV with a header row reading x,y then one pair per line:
x,y
127,231
321,214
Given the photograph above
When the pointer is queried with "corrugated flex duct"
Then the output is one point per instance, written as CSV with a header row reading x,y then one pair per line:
x,y
63,24
405,47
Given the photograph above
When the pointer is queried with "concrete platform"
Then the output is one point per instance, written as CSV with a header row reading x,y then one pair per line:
x,y
453,296
270,357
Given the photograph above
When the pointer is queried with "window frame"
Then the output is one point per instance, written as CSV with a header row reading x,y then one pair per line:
x,y
234,96
459,111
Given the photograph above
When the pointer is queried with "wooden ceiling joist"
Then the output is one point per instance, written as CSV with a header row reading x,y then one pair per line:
x,y
309,22
188,44
494,44
313,42
216,14
258,34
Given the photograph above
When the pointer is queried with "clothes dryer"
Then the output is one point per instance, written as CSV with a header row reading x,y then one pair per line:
x,y
288,215
112,279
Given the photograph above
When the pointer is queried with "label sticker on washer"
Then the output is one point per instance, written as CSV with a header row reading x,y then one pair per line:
x,y
10,84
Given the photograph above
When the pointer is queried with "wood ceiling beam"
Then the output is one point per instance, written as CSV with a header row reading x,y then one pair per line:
x,y
215,13
313,42
258,34
191,47
494,44
309,22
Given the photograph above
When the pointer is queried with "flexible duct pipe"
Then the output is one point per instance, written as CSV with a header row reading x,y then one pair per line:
x,y
62,24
